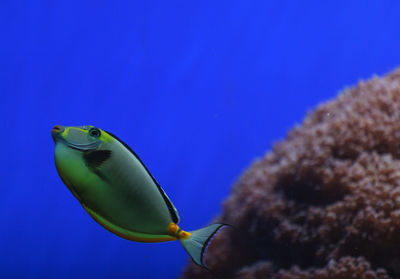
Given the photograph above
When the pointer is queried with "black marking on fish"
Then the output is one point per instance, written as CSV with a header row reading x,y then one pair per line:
x,y
171,209
95,158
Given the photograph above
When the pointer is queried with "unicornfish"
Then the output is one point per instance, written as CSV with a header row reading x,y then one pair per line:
x,y
117,190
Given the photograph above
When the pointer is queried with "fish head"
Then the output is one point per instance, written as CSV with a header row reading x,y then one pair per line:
x,y
79,151
82,138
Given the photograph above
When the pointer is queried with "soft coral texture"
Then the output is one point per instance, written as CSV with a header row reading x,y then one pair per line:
x,y
325,202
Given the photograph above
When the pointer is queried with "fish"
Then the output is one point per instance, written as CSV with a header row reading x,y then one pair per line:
x,y
117,190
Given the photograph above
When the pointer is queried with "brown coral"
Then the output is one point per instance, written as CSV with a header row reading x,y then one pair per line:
x,y
325,203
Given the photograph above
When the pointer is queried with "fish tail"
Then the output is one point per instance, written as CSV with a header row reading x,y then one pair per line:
x,y
196,242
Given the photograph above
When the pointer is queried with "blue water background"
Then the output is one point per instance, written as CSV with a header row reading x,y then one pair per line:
x,y
197,89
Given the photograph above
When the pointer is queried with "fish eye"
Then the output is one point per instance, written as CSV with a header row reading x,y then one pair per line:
x,y
94,132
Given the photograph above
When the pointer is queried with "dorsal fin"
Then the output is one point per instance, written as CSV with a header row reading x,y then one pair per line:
x,y
171,208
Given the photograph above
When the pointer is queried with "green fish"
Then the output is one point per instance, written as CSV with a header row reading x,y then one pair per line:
x,y
118,191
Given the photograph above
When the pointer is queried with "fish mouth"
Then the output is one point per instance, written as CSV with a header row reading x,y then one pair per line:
x,y
56,131
56,128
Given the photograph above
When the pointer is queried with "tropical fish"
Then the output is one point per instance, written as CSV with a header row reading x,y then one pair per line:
x,y
118,191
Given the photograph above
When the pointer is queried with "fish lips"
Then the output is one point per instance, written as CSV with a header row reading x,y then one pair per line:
x,y
56,133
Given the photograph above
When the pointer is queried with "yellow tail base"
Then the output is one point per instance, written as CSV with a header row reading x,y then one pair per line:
x,y
174,230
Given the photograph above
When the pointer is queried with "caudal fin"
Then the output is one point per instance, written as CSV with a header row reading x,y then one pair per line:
x,y
196,244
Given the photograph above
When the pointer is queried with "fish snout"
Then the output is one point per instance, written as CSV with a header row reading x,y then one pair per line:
x,y
56,131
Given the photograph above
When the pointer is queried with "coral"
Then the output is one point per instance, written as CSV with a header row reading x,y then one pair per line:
x,y
325,202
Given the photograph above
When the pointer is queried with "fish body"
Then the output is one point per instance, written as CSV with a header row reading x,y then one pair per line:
x,y
118,191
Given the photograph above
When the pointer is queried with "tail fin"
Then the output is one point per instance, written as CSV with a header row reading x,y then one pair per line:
x,y
197,243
